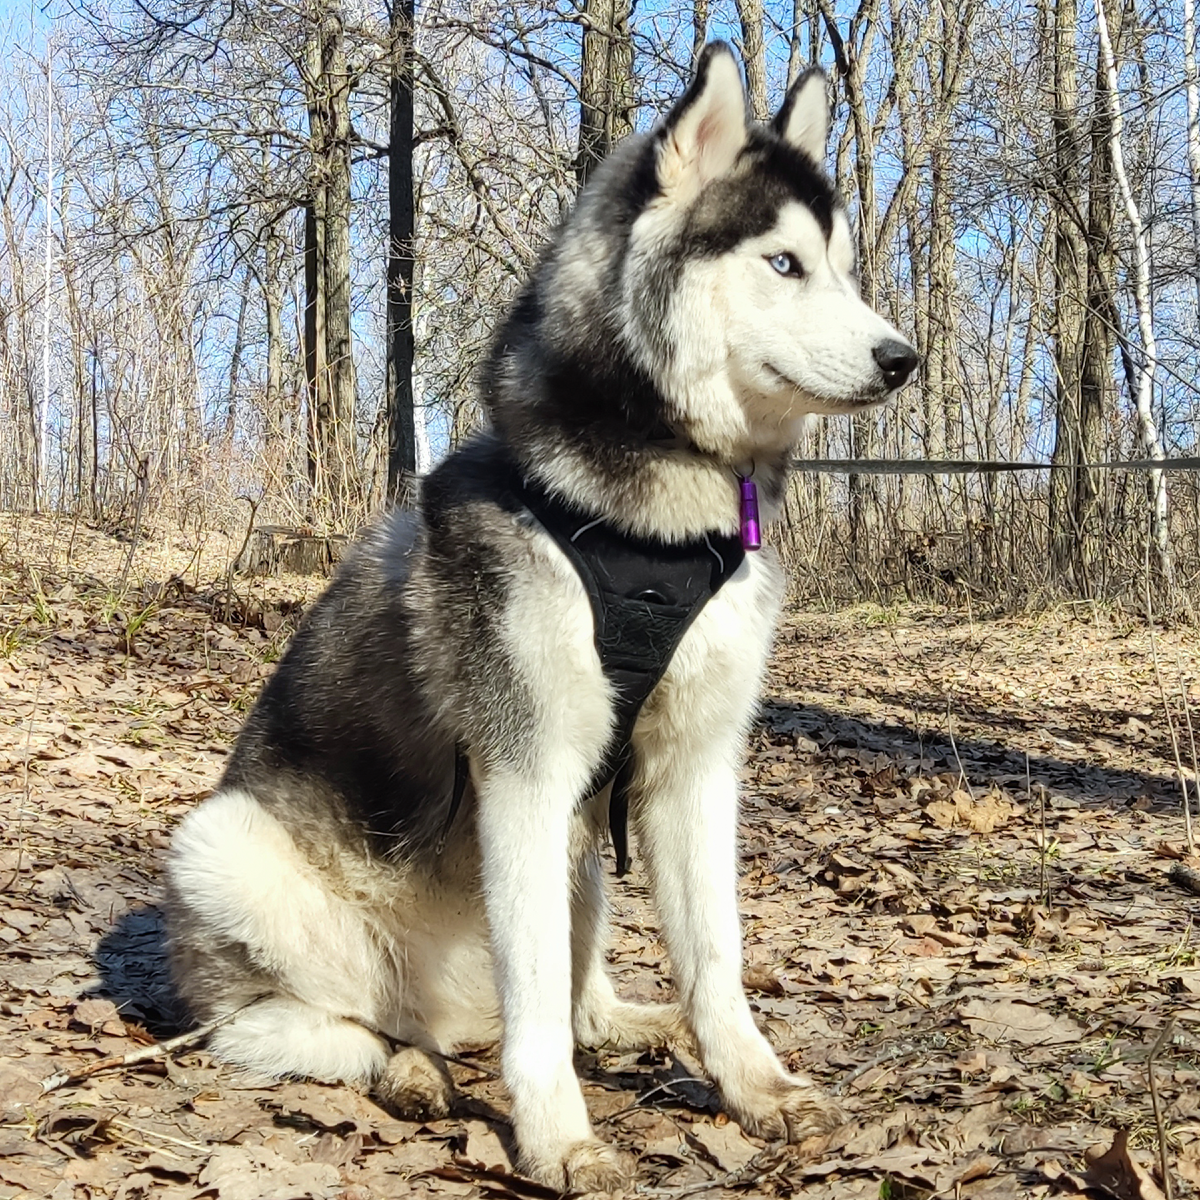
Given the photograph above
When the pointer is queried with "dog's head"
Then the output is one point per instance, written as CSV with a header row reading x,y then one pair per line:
x,y
739,297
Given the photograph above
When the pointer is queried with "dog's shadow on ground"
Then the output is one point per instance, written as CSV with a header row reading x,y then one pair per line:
x,y
135,972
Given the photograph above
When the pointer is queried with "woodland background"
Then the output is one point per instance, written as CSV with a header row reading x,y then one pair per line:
x,y
256,249
250,254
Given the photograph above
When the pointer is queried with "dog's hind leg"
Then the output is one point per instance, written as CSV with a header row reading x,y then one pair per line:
x,y
282,1036
600,1018
298,975
285,1037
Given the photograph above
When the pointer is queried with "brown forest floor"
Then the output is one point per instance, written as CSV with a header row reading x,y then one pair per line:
x,y
977,963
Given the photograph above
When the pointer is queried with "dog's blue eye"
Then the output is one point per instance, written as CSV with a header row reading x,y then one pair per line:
x,y
786,264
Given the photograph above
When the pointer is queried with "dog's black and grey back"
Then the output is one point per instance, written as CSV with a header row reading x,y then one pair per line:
x,y
694,309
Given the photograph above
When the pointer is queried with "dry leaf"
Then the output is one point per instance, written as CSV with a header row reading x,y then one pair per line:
x,y
725,1144
989,813
762,979
1119,1173
845,889
99,1016
1011,1021
1188,1163
256,1173
485,1147
978,1168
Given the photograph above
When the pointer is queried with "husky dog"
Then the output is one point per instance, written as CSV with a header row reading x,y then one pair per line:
x,y
349,911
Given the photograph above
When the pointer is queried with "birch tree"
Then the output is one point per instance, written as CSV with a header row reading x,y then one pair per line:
x,y
1192,91
1147,426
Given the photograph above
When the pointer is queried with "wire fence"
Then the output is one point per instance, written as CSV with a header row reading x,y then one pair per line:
x,y
978,531
962,466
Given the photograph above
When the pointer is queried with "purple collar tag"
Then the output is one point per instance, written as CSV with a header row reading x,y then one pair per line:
x,y
751,539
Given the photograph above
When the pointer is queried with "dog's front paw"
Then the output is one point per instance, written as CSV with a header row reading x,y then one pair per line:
x,y
590,1167
789,1108
415,1085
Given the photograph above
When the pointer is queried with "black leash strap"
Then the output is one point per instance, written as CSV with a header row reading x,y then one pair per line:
x,y
460,785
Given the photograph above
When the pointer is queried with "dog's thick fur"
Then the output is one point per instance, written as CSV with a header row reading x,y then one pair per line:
x,y
684,320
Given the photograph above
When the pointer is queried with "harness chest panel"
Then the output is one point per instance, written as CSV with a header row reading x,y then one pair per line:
x,y
644,595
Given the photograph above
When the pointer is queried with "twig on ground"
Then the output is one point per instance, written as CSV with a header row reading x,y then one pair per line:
x,y
895,1054
470,1066
143,478
1187,811
1162,691
649,1096
669,1086
234,560
183,1041
1043,887
24,810
1162,1040
396,1044
962,771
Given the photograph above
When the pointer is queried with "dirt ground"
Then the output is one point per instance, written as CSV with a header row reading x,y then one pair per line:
x,y
957,848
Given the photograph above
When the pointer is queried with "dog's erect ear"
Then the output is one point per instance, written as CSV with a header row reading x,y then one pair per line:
x,y
703,133
803,121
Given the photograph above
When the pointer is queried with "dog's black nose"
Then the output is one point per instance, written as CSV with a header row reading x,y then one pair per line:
x,y
897,361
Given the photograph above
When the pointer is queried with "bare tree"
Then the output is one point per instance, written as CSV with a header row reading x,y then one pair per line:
x,y
750,16
1146,425
333,453
401,347
986,221
1070,267
605,83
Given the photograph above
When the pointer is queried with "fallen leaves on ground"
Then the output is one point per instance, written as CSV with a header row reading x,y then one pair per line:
x,y
955,849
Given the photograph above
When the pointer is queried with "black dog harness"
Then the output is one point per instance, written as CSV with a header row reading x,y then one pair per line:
x,y
644,595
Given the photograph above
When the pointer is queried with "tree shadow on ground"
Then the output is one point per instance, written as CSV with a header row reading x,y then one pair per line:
x,y
983,759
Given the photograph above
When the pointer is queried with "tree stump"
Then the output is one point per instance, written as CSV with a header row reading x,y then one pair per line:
x,y
279,550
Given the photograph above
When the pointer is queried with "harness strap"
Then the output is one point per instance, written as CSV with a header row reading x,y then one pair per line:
x,y
644,594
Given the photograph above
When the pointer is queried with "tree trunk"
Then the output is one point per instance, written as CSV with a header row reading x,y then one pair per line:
x,y
606,83
1192,88
339,347
279,549
402,433
853,60
332,449
699,29
235,364
1069,285
1147,429
273,303
795,42
316,375
1095,382
750,14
